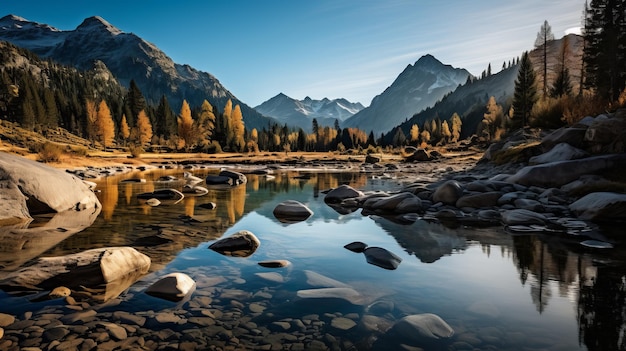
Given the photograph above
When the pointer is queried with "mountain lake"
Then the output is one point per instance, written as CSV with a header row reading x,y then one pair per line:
x,y
496,290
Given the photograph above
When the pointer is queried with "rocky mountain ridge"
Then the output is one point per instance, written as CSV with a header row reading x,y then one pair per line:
x,y
128,57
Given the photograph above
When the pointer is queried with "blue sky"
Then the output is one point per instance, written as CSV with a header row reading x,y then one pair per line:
x,y
319,48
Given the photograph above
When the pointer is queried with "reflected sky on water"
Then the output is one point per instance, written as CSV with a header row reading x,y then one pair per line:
x,y
497,290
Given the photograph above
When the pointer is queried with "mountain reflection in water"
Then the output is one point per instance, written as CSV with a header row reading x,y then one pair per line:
x,y
495,289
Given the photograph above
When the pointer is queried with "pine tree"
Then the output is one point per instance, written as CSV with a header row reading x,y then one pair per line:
x,y
543,37
134,102
525,94
52,112
562,84
167,125
92,119
604,53
399,138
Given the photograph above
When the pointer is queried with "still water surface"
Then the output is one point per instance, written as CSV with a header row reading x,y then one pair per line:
x,y
496,290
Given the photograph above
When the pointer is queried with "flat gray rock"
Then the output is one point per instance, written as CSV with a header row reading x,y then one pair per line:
x,y
600,206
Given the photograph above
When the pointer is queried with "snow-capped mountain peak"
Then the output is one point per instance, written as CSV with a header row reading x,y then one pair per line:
x,y
96,24
302,112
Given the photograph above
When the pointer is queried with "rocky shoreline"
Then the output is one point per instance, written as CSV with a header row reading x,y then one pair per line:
x,y
567,182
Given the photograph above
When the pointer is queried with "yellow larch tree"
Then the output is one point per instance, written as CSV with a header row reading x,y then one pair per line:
x,y
124,129
238,130
185,126
415,133
144,128
104,125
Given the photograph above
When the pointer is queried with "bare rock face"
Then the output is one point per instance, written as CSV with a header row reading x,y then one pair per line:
x,y
28,187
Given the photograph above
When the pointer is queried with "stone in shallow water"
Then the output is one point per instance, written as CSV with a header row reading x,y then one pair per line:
x,y
341,193
274,263
448,192
240,244
291,211
271,276
419,327
6,319
173,287
60,291
381,257
342,323
346,294
596,244
356,246
523,217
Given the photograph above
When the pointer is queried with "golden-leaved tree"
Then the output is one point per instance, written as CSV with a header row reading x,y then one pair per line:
x,y
104,125
124,129
92,117
206,123
455,127
143,128
238,142
185,126
415,134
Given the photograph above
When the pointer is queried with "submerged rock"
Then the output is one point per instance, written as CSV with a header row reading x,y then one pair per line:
x,y
422,327
240,244
347,294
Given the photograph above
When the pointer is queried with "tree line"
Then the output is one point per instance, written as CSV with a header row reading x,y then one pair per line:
x,y
93,106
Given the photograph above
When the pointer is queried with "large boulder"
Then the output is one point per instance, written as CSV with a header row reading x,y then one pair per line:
x,y
523,217
110,266
601,206
28,187
560,152
240,244
557,174
573,136
291,211
607,134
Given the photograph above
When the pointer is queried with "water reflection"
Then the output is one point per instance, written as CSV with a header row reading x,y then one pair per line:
x,y
490,285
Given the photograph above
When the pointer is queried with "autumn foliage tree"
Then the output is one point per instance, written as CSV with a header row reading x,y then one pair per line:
x,y
143,129
237,143
185,126
104,125
124,129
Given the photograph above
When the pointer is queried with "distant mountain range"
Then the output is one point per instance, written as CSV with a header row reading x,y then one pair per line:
x,y
128,57
419,86
425,90
300,113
